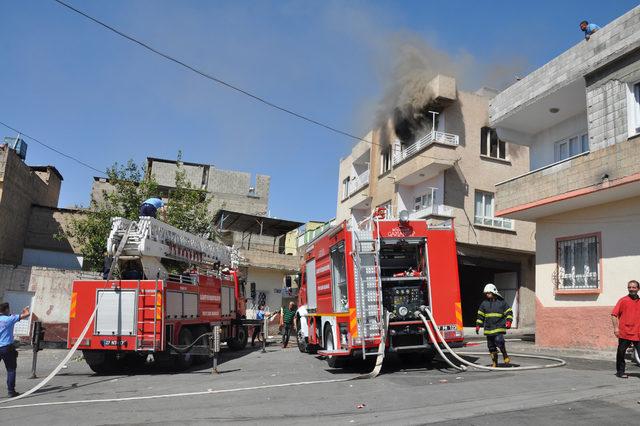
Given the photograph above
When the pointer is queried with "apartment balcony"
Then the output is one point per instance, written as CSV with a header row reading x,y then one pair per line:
x,y
584,180
424,142
494,222
424,159
356,184
434,210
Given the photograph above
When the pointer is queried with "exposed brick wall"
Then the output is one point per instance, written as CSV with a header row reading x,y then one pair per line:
x,y
574,327
617,161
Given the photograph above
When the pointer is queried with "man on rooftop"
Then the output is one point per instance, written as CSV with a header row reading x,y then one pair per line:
x,y
588,29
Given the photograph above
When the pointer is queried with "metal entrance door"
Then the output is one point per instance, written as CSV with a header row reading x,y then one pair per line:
x,y
507,284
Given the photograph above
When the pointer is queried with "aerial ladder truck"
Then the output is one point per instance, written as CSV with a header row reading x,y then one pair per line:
x,y
147,310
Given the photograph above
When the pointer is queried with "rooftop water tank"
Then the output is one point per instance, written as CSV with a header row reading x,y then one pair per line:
x,y
18,145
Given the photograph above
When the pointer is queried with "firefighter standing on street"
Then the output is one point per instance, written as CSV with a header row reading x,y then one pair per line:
x,y
496,316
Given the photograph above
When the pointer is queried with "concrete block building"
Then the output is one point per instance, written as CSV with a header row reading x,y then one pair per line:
x,y
37,267
442,168
579,114
232,190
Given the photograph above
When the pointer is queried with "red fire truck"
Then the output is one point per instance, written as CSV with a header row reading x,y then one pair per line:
x,y
150,311
362,283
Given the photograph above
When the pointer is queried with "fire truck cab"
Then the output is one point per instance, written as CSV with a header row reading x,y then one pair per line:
x,y
363,283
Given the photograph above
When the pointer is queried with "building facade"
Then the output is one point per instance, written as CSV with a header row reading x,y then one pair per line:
x,y
447,170
579,115
22,187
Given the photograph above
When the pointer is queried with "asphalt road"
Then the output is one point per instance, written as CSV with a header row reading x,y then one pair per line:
x,y
584,392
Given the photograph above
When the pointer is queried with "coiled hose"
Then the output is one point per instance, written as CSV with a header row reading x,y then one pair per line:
x,y
557,361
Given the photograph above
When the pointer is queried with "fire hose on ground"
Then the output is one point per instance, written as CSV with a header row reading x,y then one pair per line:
x,y
557,362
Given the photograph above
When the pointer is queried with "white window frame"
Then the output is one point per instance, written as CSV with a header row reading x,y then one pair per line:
x,y
345,187
486,144
579,142
633,108
422,201
482,219
573,274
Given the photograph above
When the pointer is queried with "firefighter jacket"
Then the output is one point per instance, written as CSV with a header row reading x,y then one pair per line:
x,y
493,316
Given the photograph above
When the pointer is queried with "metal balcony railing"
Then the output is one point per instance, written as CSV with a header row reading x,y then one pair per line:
x,y
432,210
355,183
430,138
494,222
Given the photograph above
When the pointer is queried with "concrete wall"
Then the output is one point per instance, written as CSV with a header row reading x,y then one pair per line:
x,y
620,253
45,223
542,150
607,95
617,161
52,289
21,188
268,281
618,37
230,189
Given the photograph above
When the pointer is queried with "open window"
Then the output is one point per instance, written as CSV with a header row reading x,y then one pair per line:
x,y
339,278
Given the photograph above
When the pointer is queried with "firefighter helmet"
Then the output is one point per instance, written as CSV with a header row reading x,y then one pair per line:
x,y
491,288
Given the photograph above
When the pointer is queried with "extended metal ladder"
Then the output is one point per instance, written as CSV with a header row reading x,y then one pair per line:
x,y
369,308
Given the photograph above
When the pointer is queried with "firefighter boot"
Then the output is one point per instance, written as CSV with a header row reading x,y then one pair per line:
x,y
507,359
494,359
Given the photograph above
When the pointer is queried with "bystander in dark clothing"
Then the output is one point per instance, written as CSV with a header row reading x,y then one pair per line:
x,y
8,352
257,329
288,315
626,325
106,267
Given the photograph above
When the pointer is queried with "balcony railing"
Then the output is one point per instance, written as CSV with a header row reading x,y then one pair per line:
x,y
355,183
494,222
431,138
312,234
432,210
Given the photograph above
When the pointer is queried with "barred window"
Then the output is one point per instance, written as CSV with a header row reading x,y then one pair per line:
x,y
578,263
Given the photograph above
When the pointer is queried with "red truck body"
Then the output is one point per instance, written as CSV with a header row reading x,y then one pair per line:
x,y
417,266
139,317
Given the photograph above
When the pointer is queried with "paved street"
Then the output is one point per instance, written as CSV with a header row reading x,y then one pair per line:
x,y
583,392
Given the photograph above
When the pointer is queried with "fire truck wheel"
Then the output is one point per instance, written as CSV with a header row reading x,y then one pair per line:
x,y
184,361
239,341
101,362
303,343
199,331
333,361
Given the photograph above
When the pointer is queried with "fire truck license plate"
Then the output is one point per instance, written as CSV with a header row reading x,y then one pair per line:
x,y
114,343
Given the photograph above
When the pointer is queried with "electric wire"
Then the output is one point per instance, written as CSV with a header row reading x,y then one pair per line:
x,y
224,83
54,149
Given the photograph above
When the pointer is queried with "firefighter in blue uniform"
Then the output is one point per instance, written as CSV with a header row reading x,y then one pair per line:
x,y
496,316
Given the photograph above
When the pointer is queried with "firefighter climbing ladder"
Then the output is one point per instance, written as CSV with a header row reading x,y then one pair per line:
x,y
369,308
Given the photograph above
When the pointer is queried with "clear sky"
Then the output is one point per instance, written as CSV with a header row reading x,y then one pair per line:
x,y
84,90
